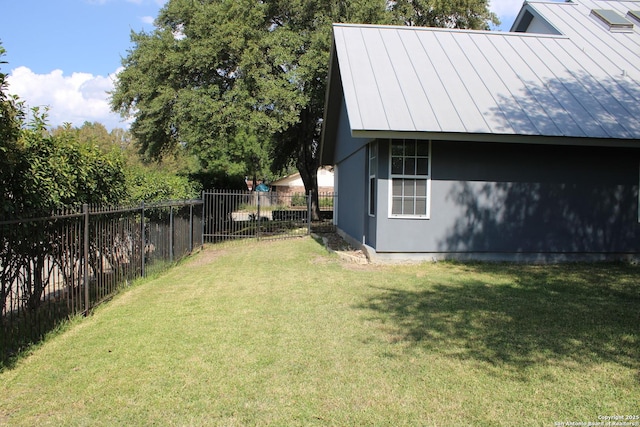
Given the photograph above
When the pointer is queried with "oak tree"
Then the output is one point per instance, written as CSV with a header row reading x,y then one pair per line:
x,y
241,83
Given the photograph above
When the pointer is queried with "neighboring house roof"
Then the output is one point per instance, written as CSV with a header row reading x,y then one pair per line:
x,y
459,84
325,179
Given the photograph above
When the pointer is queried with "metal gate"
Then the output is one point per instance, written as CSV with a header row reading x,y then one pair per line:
x,y
230,215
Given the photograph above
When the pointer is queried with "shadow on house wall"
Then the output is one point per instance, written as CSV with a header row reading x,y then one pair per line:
x,y
550,198
543,217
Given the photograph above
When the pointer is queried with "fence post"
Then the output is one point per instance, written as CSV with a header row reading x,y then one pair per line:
x,y
204,215
170,233
309,198
190,227
143,246
257,193
85,212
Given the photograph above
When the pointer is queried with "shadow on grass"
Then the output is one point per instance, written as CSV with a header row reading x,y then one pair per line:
x,y
520,316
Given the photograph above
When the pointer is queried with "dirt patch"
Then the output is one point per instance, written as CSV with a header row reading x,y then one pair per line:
x,y
335,243
205,256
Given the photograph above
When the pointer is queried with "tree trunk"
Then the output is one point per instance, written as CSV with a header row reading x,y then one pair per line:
x,y
307,161
37,284
309,176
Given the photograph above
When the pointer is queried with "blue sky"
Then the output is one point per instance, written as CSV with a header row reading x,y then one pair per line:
x,y
72,35
66,53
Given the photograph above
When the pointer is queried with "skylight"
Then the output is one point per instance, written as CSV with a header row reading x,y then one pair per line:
x,y
612,20
634,14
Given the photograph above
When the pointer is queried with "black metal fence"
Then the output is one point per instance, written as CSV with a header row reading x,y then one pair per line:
x,y
263,215
65,264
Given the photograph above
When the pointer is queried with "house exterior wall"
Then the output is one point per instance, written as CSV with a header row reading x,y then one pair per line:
x,y
351,193
489,198
350,181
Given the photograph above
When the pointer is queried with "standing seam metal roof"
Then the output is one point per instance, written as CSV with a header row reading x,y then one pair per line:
x,y
583,83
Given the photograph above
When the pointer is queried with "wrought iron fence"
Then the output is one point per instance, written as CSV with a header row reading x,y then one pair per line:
x,y
233,215
65,264
53,267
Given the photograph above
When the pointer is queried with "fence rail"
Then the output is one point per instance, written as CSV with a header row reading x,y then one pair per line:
x,y
65,264
233,215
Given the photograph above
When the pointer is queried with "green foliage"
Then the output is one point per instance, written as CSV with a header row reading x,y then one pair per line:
x,y
148,181
148,184
301,200
11,118
472,14
53,170
298,200
326,201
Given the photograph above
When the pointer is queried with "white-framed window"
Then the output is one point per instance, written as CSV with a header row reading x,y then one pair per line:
x,y
410,189
373,171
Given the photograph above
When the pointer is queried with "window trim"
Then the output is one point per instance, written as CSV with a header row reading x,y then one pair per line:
x,y
372,199
427,177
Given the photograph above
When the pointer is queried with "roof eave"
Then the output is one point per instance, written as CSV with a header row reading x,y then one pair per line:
x,y
329,119
499,138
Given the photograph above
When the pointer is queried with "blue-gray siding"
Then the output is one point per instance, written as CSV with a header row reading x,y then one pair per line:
x,y
509,198
351,160
351,195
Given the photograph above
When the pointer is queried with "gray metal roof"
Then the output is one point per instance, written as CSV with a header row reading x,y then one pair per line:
x,y
584,83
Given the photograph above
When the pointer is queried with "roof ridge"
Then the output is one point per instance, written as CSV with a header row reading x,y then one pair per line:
x,y
452,30
559,3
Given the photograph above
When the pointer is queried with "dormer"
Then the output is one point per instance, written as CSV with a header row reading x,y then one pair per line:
x,y
529,21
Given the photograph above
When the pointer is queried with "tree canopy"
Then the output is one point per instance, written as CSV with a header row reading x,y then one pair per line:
x,y
241,83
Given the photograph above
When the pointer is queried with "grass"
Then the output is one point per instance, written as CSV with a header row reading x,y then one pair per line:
x,y
282,333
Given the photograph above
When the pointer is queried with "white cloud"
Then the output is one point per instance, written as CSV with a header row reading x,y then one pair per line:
x,y
147,20
74,99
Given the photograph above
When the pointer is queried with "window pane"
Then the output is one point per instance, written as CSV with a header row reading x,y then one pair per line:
x,y
409,172
423,166
396,206
409,187
410,148
408,207
397,187
409,166
372,196
396,165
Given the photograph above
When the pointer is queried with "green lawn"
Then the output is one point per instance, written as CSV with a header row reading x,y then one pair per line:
x,y
283,333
